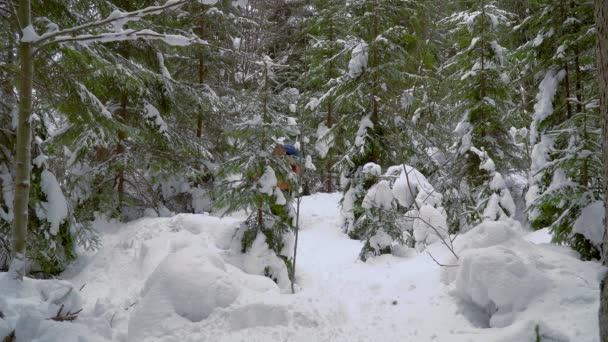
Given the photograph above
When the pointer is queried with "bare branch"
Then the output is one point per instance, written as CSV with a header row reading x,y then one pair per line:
x,y
438,263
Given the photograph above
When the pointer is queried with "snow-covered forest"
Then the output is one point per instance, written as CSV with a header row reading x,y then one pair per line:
x,y
303,170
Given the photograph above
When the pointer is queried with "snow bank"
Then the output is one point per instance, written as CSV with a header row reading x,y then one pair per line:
x,y
185,279
505,281
498,281
25,309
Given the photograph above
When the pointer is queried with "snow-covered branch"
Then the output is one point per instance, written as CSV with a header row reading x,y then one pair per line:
x,y
71,34
171,39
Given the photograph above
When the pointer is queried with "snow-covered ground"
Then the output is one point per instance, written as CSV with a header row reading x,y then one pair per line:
x,y
182,279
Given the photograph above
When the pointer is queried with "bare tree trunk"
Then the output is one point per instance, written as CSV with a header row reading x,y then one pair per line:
x,y
24,136
482,85
601,22
374,155
120,149
330,119
330,161
201,74
567,76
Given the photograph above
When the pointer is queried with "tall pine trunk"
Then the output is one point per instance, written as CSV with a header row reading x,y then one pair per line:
x,y
201,74
24,136
601,21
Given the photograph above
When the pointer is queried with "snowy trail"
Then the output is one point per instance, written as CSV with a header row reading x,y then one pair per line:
x,y
387,298
181,279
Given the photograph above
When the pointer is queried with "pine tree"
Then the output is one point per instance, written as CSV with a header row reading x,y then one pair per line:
x,y
327,56
252,178
382,65
91,114
564,180
479,79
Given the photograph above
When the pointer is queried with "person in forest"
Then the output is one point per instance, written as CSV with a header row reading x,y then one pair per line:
x,y
289,152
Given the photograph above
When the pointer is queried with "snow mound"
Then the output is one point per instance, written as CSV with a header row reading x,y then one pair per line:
x,y
186,287
488,233
185,278
498,281
25,309
506,281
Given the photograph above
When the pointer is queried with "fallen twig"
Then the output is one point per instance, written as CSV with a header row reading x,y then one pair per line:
x,y
69,316
438,263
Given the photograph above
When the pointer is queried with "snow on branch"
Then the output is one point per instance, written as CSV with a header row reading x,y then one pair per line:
x,y
130,34
85,94
116,17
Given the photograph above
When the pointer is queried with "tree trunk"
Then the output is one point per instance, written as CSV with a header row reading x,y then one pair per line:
x,y
201,74
374,154
330,161
120,149
24,136
601,22
330,109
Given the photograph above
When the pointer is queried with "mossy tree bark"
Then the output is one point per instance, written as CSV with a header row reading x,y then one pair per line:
x,y
23,149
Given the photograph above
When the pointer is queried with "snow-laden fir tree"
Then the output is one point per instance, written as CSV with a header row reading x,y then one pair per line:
x,y
252,178
399,209
370,96
479,96
327,57
564,183
104,129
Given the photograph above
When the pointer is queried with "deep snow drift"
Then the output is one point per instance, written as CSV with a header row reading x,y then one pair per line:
x,y
182,279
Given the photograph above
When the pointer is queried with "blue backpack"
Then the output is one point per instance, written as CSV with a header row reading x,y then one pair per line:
x,y
291,150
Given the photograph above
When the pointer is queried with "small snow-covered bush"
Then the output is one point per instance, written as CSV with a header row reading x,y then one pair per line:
x,y
398,207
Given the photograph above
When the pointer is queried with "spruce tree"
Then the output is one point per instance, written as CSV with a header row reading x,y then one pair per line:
x,y
253,177
381,67
480,96
565,158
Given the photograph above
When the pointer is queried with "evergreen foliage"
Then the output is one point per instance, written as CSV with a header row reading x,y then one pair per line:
x,y
182,113
478,73
566,162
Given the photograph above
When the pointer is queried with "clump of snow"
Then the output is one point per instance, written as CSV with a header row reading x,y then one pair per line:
x,y
430,226
364,125
8,192
312,104
372,169
150,112
324,141
29,35
267,182
544,101
380,240
379,196
55,209
309,164
358,61
487,234
411,185
590,222
541,149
